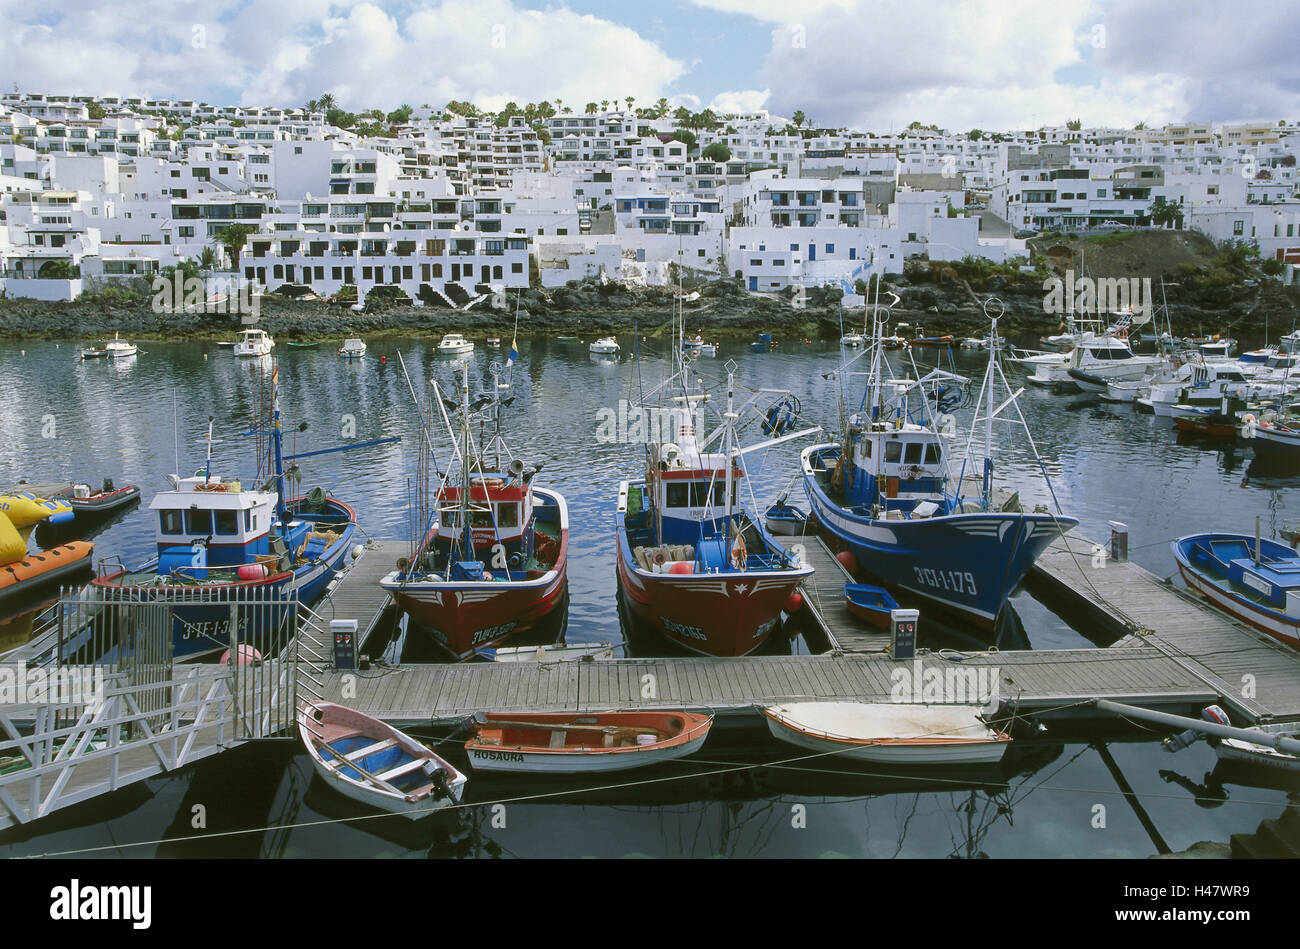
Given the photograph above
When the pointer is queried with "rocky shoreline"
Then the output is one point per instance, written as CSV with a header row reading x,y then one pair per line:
x,y
723,310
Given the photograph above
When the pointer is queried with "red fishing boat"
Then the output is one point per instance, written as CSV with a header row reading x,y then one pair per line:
x,y
492,563
693,564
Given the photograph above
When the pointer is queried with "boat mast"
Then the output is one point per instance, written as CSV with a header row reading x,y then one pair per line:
x,y
465,465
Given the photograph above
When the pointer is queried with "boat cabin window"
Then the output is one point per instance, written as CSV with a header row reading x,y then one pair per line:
x,y
932,454
227,522
678,495
248,520
170,522
912,455
866,448
893,451
507,515
198,522
480,519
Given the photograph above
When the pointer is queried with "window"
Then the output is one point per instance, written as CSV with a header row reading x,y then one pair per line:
x,y
198,522
170,522
932,454
893,452
507,515
678,495
227,522
1238,227
913,453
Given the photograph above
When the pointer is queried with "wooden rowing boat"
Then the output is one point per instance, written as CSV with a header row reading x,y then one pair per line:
x,y
900,733
374,763
569,743
869,603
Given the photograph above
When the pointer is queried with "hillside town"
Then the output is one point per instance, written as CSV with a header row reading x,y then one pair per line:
x,y
449,206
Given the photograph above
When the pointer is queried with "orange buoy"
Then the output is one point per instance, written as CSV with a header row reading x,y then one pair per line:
x,y
794,602
850,562
682,566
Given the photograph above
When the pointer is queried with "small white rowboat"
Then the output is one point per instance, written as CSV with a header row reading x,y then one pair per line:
x,y
895,732
374,763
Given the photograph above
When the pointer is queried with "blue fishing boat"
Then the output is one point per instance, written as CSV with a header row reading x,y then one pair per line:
x,y
885,491
873,604
1255,580
229,548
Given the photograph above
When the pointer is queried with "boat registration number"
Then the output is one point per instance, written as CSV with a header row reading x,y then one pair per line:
x,y
1263,586
679,629
954,581
492,632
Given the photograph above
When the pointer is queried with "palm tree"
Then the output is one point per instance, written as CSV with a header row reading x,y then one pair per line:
x,y
661,108
604,105
326,102
798,118
630,100
207,260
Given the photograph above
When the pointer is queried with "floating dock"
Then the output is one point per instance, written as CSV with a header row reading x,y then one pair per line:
x,y
824,598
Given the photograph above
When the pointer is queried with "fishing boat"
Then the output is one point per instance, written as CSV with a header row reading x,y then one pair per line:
x,y
897,733
492,562
216,536
604,345
885,490
1254,579
785,520
572,743
694,565
375,764
254,343
454,344
1273,439
352,348
873,604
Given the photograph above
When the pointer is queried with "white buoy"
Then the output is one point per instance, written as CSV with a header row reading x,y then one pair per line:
x,y
356,551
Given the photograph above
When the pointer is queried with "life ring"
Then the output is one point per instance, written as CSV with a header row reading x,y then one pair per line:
x,y
739,555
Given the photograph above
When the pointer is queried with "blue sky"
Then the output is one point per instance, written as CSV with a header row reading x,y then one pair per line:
x,y
876,64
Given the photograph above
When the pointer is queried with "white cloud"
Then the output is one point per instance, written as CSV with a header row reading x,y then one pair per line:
x,y
367,54
745,100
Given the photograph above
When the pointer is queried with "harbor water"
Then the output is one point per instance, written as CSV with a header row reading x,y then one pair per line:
x,y
1060,795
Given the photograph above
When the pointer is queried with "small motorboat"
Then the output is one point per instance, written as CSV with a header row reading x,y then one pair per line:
x,y
872,604
899,733
254,343
352,348
785,520
374,763
454,344
494,341
709,349
693,343
94,352
604,345
852,340
567,339
1247,752
119,348
291,344
231,344
1254,579
86,502
571,743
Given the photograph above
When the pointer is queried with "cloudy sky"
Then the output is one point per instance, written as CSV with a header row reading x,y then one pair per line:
x,y
877,64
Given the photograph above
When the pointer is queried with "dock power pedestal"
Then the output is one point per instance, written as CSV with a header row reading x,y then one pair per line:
x,y
902,633
344,632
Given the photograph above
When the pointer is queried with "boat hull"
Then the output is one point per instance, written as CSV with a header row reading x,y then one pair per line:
x,y
713,614
919,750
588,760
968,563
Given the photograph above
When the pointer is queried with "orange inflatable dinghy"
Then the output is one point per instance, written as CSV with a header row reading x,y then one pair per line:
x,y
43,567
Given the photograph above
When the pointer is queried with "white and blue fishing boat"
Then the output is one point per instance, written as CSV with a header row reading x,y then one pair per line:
x,y
223,541
1254,579
885,491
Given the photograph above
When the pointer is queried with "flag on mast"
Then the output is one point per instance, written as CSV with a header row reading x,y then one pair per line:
x,y
514,352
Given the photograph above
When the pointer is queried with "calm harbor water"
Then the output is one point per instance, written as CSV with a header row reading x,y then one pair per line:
x,y
86,421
